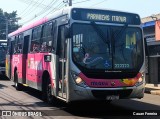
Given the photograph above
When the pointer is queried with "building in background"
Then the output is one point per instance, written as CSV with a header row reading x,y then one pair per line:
x,y
151,28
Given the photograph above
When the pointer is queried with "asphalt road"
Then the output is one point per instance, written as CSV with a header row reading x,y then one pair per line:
x,y
29,100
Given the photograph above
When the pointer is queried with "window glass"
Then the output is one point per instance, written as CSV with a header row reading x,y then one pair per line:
x,y
107,47
35,42
19,43
47,38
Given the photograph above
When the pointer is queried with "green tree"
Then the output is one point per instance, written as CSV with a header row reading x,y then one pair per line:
x,y
11,18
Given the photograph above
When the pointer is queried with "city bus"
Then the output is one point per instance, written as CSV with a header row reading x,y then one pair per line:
x,y
80,54
3,48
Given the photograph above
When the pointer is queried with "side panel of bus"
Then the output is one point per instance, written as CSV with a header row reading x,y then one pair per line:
x,y
34,66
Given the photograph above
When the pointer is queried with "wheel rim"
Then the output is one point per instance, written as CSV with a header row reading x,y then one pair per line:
x,y
16,84
16,79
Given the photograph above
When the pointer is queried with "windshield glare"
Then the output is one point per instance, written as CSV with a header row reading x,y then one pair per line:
x,y
107,47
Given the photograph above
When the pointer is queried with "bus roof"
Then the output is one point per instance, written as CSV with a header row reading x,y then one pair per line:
x,y
41,21
56,14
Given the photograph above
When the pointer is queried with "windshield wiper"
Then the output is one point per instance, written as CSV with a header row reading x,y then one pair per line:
x,y
121,31
101,34
119,35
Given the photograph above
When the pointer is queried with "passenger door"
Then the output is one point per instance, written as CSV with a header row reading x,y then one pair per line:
x,y
62,53
24,58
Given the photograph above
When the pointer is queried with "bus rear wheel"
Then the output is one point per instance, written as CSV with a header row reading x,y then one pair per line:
x,y
17,85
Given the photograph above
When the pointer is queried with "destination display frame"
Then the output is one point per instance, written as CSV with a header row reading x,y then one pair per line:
x,y
106,16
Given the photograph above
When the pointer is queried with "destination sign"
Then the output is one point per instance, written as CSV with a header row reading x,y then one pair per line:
x,y
105,16
102,17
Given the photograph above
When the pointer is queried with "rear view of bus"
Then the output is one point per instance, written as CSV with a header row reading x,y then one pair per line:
x,y
107,52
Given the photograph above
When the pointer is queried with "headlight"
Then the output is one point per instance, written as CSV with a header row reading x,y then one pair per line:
x,y
140,79
77,79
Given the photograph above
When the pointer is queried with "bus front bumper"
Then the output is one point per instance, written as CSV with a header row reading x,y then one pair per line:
x,y
87,93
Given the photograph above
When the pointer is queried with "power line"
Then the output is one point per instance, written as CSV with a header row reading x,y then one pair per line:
x,y
26,8
41,12
81,1
47,7
29,1
99,3
47,10
24,14
44,11
59,6
32,9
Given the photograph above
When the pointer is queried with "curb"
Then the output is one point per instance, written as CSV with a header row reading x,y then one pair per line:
x,y
155,92
152,91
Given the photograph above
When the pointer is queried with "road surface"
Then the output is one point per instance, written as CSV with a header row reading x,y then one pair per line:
x,y
29,101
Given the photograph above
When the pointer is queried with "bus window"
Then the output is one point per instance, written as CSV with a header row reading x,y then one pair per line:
x,y
15,47
47,38
35,42
19,43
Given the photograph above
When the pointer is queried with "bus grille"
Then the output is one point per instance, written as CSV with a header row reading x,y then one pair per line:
x,y
101,94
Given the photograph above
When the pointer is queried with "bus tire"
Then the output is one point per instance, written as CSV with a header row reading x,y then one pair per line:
x,y
17,85
108,101
46,92
49,93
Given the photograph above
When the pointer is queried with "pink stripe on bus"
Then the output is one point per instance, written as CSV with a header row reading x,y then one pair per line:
x,y
107,83
39,22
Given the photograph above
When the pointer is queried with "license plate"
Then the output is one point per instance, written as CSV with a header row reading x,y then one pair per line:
x,y
112,97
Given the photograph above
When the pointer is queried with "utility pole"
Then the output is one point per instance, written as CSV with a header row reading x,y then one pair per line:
x,y
6,29
70,2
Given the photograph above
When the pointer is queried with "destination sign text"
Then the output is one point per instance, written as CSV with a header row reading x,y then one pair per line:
x,y
103,17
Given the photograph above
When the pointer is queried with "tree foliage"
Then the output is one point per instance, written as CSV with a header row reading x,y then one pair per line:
x,y
12,23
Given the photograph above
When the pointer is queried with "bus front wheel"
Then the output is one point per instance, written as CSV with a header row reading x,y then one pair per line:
x,y
47,92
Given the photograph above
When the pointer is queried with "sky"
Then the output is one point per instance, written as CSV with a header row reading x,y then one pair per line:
x,y
31,9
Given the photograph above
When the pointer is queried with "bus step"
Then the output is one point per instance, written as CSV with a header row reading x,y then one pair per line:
x,y
25,85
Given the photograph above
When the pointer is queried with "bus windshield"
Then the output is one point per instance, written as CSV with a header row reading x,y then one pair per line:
x,y
107,47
